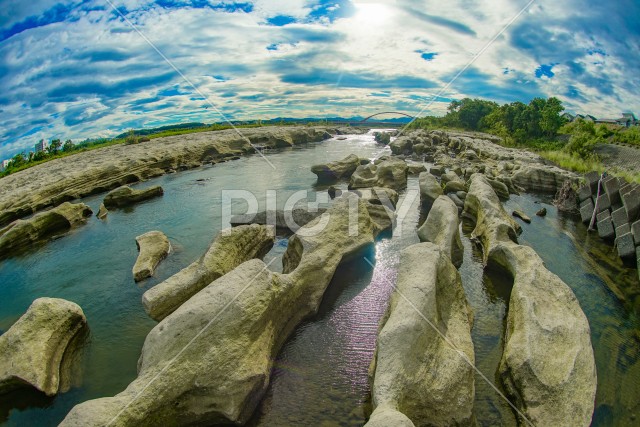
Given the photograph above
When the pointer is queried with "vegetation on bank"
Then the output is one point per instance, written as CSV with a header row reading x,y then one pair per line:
x,y
537,126
57,149
540,127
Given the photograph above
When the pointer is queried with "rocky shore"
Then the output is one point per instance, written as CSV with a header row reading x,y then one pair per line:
x,y
98,171
223,318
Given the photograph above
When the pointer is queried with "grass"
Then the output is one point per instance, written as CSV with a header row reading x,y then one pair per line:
x,y
577,164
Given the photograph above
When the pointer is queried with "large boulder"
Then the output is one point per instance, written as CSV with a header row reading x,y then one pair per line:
x,y
390,172
229,249
493,223
38,349
22,234
210,361
154,247
430,189
336,170
126,196
441,228
423,365
285,221
401,145
548,367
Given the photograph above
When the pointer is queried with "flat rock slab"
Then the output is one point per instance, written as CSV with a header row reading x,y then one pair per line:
x,y
154,247
37,350
126,196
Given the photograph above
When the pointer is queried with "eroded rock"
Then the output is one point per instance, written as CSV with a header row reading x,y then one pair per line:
x,y
389,172
126,196
209,362
430,189
336,170
418,369
441,229
37,348
229,249
22,234
154,247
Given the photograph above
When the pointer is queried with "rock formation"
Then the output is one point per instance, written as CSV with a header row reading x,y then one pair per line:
x,y
441,228
209,362
154,247
126,196
430,189
493,224
38,348
336,170
388,172
22,234
102,212
229,249
286,222
423,368
547,367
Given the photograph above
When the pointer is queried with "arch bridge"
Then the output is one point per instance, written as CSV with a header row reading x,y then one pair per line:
x,y
398,113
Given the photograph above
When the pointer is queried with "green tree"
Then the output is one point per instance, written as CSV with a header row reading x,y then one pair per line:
x,y
551,120
68,146
54,146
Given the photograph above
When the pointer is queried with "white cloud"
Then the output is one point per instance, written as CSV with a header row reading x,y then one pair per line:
x,y
92,76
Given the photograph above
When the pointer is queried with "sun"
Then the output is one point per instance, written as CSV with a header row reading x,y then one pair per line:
x,y
372,12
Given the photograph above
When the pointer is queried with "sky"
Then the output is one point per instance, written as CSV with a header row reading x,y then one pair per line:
x,y
87,69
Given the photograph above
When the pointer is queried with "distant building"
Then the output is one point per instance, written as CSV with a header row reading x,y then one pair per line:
x,y
577,117
590,118
628,120
41,146
4,165
567,116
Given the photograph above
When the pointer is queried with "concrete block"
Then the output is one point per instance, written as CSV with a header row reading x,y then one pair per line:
x,y
584,193
586,211
619,217
605,229
635,231
586,202
592,181
625,188
631,202
626,248
611,187
603,203
602,215
623,229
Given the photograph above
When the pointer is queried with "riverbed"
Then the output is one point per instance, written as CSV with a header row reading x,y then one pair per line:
x,y
320,377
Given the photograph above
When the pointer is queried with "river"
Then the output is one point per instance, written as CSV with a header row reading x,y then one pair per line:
x,y
320,377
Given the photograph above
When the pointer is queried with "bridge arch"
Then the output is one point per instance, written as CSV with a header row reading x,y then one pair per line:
x,y
386,112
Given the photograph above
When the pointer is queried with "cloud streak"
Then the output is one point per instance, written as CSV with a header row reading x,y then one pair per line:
x,y
72,69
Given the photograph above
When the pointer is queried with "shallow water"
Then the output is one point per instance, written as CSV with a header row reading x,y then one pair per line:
x,y
320,376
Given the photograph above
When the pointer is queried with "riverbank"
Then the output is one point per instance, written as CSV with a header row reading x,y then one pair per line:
x,y
73,177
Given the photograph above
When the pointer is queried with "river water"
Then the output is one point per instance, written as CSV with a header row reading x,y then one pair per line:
x,y
320,377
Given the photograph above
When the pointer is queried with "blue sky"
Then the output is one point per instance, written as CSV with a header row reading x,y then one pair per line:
x,y
76,69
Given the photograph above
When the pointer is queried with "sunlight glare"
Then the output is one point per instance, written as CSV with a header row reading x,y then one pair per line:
x,y
372,13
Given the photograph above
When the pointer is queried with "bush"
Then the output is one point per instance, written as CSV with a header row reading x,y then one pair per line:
x,y
581,144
